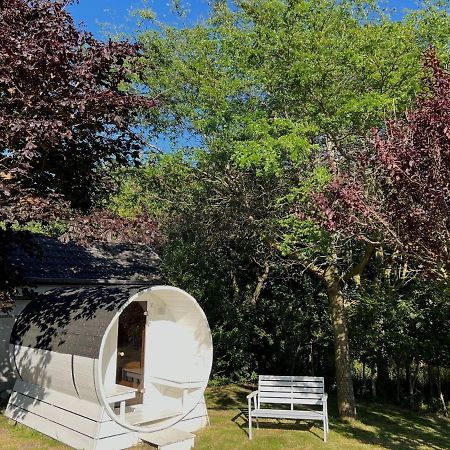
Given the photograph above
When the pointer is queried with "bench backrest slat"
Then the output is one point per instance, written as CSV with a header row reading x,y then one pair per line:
x,y
288,378
288,401
290,389
297,394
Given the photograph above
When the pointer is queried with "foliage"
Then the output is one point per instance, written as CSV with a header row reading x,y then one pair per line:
x,y
399,190
291,89
415,159
104,226
288,90
216,222
403,327
63,112
64,119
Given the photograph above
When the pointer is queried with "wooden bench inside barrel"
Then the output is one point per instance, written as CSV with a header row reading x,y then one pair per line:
x,y
119,394
293,391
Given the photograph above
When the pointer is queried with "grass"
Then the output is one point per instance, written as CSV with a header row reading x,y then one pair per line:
x,y
377,427
18,437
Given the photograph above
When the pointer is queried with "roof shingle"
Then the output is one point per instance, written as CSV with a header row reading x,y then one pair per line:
x,y
56,262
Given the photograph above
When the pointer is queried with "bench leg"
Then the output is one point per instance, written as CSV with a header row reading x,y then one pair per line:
x,y
250,424
257,423
324,429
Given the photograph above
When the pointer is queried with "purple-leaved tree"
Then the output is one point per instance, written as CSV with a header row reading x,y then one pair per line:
x,y
64,116
399,192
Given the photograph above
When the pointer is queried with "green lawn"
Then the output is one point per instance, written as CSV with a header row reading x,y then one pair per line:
x,y
378,427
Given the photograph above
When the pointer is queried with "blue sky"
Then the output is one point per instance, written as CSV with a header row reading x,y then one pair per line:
x,y
102,16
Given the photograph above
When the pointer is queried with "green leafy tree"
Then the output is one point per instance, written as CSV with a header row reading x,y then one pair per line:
x,y
398,327
289,89
266,315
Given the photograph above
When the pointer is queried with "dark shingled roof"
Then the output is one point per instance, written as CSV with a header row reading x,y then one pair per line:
x,y
70,320
56,262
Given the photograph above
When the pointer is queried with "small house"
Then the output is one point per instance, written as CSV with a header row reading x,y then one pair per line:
x,y
104,353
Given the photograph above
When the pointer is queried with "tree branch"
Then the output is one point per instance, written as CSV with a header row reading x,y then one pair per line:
x,y
260,284
359,268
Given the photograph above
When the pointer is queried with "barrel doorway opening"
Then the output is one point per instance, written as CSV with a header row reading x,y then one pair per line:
x,y
155,360
131,349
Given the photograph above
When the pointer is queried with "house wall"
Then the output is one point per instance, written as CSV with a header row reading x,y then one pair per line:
x,y
6,325
7,375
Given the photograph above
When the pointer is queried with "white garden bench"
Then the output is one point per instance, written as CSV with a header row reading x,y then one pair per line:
x,y
292,391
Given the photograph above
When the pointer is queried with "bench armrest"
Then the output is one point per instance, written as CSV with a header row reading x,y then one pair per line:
x,y
253,394
324,397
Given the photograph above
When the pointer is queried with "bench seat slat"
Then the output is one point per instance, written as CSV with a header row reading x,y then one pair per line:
x,y
304,401
288,395
286,414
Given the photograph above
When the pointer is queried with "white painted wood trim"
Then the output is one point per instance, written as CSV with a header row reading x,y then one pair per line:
x,y
119,393
86,408
290,378
144,295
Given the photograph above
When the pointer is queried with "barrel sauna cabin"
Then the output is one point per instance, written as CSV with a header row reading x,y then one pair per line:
x,y
104,367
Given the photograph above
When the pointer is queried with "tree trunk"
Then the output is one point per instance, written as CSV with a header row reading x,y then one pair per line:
x,y
440,394
430,382
260,283
409,379
363,383
412,377
374,376
345,394
398,381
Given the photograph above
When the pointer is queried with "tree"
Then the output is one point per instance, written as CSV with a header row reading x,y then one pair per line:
x,y
414,157
64,116
63,112
266,315
290,89
406,170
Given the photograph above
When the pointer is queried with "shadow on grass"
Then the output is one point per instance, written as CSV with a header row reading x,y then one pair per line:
x,y
396,429
228,397
382,425
241,421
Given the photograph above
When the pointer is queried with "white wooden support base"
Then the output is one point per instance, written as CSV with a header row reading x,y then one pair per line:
x,y
73,438
82,425
170,439
85,425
